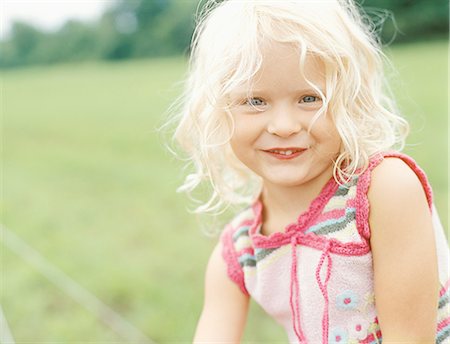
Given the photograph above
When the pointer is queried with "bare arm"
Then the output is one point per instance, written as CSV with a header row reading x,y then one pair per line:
x,y
404,255
225,306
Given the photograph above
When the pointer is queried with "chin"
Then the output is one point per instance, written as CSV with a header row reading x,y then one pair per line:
x,y
285,182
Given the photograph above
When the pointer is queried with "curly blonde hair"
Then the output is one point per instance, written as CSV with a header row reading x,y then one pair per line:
x,y
226,52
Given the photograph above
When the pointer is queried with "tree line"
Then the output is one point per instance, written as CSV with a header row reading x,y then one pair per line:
x,y
150,28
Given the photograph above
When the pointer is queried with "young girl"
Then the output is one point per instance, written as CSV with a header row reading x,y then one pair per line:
x,y
286,110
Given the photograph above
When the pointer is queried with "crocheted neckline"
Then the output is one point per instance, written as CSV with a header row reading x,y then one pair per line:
x,y
303,220
298,229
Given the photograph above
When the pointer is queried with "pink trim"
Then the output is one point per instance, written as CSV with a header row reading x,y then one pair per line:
x,y
317,205
306,217
278,239
311,240
234,269
352,202
444,288
418,171
247,222
363,207
443,324
257,220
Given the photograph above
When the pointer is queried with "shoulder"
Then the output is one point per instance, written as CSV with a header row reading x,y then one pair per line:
x,y
400,199
398,179
389,186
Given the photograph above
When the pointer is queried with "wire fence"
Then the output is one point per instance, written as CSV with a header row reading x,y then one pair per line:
x,y
122,327
5,332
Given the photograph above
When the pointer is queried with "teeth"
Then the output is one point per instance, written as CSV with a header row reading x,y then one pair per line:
x,y
288,152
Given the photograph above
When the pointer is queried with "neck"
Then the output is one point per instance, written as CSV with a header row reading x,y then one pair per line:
x,y
283,204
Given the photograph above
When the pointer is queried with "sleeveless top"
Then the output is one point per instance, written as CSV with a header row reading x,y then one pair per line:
x,y
316,277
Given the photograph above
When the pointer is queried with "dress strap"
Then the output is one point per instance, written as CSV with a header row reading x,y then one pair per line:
x,y
363,207
229,254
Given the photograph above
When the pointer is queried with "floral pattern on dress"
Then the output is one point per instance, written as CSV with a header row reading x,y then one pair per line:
x,y
367,303
347,300
338,335
358,328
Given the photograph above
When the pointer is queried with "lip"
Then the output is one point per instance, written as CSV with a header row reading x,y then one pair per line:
x,y
297,152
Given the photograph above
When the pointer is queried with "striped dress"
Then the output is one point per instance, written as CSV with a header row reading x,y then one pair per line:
x,y
316,277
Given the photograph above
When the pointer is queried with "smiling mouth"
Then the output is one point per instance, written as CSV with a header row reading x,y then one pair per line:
x,y
285,153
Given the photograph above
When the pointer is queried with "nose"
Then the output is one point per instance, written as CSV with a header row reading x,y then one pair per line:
x,y
284,121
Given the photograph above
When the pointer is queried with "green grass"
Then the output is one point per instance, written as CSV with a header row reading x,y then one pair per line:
x,y
422,91
88,183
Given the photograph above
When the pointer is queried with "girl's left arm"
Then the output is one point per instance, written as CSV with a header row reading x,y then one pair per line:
x,y
404,255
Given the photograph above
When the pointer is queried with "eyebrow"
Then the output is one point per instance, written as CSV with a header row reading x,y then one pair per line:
x,y
263,91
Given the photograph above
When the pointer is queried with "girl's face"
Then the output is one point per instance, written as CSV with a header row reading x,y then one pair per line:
x,y
272,119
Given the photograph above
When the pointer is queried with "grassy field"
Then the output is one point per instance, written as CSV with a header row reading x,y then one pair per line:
x,y
89,185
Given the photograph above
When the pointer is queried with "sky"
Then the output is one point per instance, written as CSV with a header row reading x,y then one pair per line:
x,y
48,14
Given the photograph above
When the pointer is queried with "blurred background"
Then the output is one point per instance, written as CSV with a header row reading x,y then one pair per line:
x,y
96,245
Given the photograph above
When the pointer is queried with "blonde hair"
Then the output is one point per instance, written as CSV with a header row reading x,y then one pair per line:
x,y
226,52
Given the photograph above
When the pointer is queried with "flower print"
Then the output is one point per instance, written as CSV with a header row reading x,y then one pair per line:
x,y
358,328
347,300
368,303
374,326
338,335
370,298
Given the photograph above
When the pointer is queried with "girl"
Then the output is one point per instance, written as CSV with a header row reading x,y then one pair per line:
x,y
286,110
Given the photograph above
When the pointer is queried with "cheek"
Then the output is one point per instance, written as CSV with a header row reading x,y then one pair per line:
x,y
238,140
332,134
326,129
243,142
240,151
325,133
244,131
234,146
333,140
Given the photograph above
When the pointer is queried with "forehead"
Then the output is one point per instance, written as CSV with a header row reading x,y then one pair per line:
x,y
280,53
283,65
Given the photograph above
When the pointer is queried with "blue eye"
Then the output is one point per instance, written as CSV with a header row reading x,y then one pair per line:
x,y
309,99
255,102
